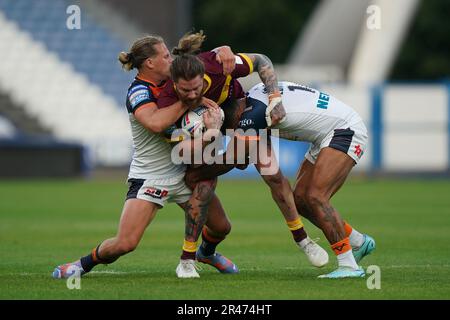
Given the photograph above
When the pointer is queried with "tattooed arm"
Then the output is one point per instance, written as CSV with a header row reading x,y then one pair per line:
x,y
263,65
275,112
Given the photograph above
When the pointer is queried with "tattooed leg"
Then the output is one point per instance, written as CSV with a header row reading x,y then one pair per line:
x,y
316,184
323,216
330,221
196,209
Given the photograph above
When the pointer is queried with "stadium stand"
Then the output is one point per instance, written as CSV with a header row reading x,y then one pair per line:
x,y
19,119
91,50
62,78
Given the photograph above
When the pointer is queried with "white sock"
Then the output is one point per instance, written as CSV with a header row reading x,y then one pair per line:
x,y
347,259
356,239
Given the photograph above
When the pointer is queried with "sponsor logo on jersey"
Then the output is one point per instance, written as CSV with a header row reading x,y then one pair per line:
x,y
323,101
136,88
138,97
156,193
246,122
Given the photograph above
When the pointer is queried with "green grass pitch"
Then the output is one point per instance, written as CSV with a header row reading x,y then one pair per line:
x,y
46,223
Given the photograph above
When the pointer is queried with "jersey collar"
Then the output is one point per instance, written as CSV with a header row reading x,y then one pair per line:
x,y
150,83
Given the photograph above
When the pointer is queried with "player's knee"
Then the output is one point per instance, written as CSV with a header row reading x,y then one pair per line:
x,y
227,228
274,180
220,230
315,198
300,199
302,206
224,228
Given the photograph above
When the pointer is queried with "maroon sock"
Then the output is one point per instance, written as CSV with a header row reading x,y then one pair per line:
x,y
299,234
188,255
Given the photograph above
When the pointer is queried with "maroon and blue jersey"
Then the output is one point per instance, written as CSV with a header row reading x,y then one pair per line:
x,y
219,87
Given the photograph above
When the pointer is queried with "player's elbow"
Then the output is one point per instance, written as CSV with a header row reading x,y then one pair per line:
x,y
155,127
261,61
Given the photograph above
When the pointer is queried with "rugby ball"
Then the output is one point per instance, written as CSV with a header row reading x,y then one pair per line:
x,y
192,121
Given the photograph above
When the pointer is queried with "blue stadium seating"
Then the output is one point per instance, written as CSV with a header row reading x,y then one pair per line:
x,y
92,50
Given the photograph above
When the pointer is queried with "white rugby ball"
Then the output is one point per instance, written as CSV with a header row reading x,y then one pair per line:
x,y
192,121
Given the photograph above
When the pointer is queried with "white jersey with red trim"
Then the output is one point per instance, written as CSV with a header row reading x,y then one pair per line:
x,y
310,114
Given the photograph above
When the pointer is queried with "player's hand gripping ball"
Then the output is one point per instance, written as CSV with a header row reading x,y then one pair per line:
x,y
193,123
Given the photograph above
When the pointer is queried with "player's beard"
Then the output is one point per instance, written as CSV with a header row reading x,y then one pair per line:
x,y
193,103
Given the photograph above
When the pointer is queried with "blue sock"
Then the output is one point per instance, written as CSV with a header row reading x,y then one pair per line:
x,y
91,260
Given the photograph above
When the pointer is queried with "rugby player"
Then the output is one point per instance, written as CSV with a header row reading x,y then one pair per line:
x,y
338,140
189,86
153,178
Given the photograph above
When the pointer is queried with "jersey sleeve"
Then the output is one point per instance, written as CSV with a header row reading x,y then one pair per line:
x,y
168,96
244,66
137,96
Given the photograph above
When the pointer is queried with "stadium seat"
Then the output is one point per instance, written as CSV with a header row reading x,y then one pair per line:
x,y
92,50
51,85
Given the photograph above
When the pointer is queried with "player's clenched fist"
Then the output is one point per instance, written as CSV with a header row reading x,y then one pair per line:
x,y
275,112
